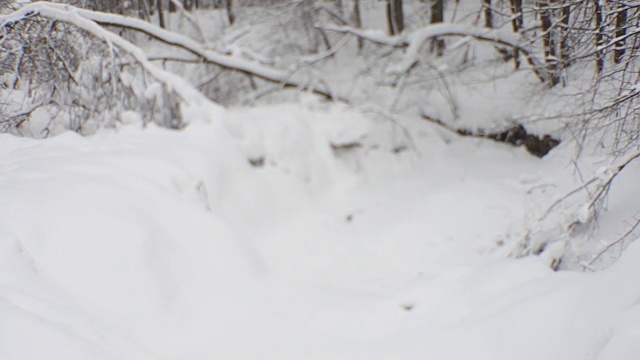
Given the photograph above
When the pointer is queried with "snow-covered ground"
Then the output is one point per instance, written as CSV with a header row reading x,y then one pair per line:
x,y
158,244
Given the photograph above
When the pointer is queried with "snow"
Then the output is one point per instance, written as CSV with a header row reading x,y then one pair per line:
x,y
314,230
156,244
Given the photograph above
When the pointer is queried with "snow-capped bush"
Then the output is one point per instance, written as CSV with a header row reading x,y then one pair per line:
x,y
81,81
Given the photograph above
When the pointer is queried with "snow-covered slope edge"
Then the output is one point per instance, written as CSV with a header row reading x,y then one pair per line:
x,y
170,245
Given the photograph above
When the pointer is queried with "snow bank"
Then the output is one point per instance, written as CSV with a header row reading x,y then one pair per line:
x,y
157,244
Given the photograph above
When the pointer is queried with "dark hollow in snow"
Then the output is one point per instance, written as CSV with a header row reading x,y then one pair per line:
x,y
516,135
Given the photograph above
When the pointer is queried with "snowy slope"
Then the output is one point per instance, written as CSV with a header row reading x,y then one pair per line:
x,y
153,244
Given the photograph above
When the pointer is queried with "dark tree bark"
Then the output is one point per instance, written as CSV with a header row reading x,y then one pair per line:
x,y
517,23
437,11
144,10
564,40
160,8
357,21
230,14
395,16
518,19
437,16
549,41
621,31
488,16
598,18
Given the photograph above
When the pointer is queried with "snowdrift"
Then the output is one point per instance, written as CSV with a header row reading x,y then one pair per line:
x,y
158,244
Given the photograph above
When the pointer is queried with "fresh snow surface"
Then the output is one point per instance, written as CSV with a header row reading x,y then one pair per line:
x,y
157,244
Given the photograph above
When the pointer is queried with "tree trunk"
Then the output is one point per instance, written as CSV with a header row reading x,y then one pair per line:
x,y
437,11
518,18
437,16
160,8
144,10
488,18
357,22
549,41
598,18
395,16
564,40
228,4
516,24
621,30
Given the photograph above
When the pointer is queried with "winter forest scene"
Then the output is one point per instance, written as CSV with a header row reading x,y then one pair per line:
x,y
320,179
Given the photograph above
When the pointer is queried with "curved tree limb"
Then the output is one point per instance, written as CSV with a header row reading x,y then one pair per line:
x,y
414,42
85,18
189,94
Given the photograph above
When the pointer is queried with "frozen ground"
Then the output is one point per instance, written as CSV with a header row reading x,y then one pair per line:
x,y
153,244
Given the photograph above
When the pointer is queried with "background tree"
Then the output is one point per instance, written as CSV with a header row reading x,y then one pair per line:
x,y
488,16
357,21
395,16
437,17
547,21
621,32
228,4
598,18
6,4
517,22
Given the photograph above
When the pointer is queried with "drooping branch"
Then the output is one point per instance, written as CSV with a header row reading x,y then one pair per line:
x,y
620,240
62,14
596,190
91,21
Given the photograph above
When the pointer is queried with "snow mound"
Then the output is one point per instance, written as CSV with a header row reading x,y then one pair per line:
x,y
158,244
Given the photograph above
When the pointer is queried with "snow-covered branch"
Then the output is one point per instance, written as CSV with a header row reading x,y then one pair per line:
x,y
374,36
416,40
580,211
232,61
73,16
